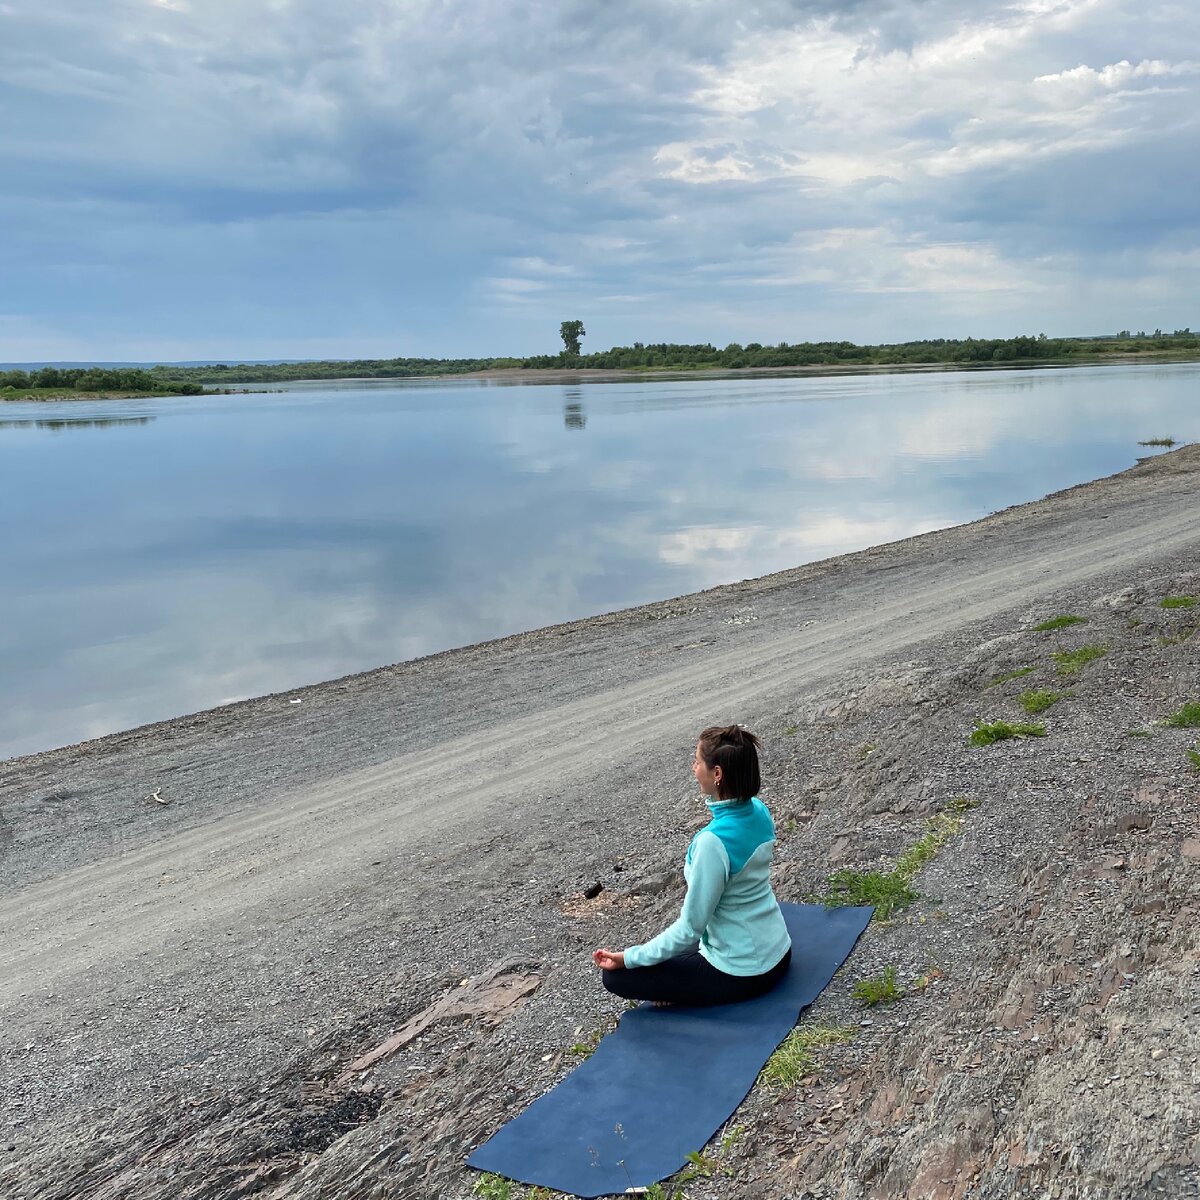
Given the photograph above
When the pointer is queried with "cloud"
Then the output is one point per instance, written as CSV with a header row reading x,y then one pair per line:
x,y
682,170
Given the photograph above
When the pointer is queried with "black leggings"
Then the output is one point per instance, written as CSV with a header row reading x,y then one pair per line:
x,y
692,980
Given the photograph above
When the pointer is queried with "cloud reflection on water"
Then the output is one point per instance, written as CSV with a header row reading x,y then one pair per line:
x,y
243,545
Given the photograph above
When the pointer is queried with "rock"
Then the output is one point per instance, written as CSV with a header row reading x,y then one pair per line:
x,y
653,884
1131,821
593,890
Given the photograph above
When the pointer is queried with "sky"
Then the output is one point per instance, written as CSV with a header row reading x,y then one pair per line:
x,y
255,179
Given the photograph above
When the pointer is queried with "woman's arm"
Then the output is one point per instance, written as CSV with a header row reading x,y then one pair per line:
x,y
708,875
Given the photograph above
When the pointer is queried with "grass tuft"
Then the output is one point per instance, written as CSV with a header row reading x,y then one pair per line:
x,y
791,731
938,831
1038,701
1194,758
1188,717
1182,636
586,1047
962,804
1060,622
1179,602
1138,733
879,989
1162,441
1071,662
493,1187
797,1054
887,891
999,731
1011,675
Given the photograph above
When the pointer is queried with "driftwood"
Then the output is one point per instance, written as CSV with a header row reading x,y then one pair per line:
x,y
490,997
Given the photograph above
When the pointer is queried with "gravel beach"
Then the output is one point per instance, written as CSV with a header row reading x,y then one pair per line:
x,y
207,921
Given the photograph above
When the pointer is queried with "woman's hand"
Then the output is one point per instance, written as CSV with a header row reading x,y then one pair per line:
x,y
609,960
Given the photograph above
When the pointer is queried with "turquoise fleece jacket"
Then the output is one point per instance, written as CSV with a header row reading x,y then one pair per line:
x,y
730,912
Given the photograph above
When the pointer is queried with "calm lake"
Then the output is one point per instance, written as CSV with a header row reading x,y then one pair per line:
x,y
164,556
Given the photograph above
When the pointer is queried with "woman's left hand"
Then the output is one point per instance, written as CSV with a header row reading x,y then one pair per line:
x,y
609,960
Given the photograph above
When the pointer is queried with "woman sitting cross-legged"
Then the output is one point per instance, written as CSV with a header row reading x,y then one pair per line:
x,y
729,942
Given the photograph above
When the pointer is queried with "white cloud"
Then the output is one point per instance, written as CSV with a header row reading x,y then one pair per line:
x,y
661,164
1119,75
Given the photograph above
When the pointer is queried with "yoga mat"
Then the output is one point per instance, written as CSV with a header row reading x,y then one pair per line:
x,y
666,1079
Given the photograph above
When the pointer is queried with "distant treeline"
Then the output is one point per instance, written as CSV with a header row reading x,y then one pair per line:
x,y
361,368
675,356
804,354
98,379
650,356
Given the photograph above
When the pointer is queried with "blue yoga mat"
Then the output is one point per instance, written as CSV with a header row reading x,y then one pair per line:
x,y
666,1079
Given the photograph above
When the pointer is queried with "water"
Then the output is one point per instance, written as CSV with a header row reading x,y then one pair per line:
x,y
164,556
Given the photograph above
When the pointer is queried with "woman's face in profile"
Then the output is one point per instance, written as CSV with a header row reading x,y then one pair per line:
x,y
706,776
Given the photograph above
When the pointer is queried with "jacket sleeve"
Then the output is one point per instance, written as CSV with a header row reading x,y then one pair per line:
x,y
708,875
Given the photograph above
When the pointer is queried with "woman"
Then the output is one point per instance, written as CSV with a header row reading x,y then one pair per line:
x,y
730,942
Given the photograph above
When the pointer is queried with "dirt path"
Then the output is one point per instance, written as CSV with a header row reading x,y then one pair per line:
x,y
347,854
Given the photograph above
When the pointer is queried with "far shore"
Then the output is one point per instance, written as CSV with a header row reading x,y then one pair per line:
x,y
507,376
624,375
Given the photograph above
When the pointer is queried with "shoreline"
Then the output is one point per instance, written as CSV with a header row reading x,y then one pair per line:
x,y
313,876
814,370
569,375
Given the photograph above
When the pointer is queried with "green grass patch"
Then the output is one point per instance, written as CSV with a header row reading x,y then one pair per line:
x,y
1188,717
879,989
1071,662
1038,701
961,804
1011,675
797,1054
1162,441
791,731
1060,622
1194,758
1138,733
1179,602
493,1187
887,891
986,733
938,831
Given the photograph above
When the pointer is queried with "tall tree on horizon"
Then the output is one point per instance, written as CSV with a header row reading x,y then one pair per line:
x,y
571,332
